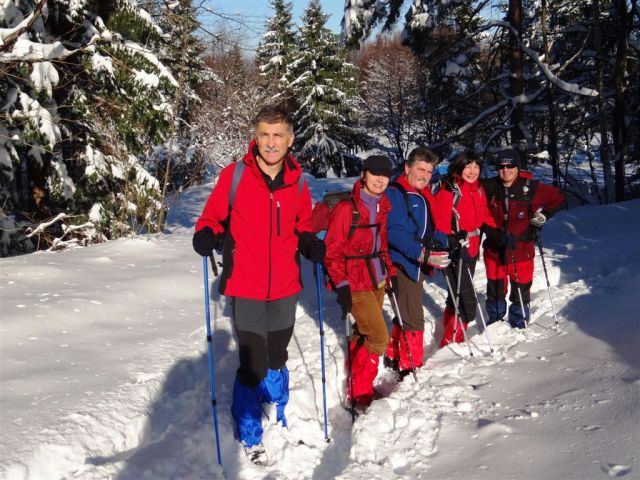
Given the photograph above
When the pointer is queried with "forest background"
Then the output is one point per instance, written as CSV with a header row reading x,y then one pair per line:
x,y
109,109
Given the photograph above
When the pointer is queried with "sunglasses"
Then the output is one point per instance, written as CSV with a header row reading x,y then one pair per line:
x,y
502,167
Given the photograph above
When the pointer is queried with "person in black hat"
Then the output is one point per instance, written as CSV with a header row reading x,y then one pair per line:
x,y
360,267
520,206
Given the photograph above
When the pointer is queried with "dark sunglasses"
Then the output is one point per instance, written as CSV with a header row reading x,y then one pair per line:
x,y
502,167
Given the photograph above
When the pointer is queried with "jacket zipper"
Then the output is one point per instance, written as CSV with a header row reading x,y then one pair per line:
x,y
269,245
278,218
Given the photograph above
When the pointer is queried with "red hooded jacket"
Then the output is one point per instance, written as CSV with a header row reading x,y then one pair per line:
x,y
355,272
472,211
260,256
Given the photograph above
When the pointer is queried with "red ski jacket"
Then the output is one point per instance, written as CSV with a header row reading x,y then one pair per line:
x,y
472,212
520,201
356,272
260,255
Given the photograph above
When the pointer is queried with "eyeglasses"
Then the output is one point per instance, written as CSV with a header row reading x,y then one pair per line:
x,y
502,167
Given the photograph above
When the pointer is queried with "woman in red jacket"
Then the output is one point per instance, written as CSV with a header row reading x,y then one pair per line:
x,y
460,214
359,265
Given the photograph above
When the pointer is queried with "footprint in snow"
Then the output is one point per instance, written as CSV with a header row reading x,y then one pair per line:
x,y
614,470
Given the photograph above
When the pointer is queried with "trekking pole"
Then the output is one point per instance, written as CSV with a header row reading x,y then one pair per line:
x,y
210,348
484,323
321,320
396,309
515,275
352,410
546,276
457,311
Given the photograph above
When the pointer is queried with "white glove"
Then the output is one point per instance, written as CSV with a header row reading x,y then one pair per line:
x,y
538,219
438,259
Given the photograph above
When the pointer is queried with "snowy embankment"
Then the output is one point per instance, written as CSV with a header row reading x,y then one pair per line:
x,y
104,371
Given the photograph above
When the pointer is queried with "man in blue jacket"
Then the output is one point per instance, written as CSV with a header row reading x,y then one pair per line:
x,y
410,229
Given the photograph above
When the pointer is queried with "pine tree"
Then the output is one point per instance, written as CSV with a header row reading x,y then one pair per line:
x,y
324,85
276,49
81,113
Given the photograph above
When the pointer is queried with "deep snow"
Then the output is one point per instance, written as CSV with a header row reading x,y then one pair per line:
x,y
104,371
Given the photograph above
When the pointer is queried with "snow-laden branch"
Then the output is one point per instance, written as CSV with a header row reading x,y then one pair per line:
x,y
485,113
42,226
28,51
557,81
9,35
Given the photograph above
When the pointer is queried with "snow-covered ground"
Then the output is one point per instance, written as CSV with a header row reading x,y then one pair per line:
x,y
105,371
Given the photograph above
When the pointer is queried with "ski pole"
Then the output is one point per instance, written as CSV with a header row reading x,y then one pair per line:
x,y
347,322
210,348
396,309
484,323
457,311
515,274
321,321
546,276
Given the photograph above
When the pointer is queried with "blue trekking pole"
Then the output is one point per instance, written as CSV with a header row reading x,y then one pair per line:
x,y
210,345
321,320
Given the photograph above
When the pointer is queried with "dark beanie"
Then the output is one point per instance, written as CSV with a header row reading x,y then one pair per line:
x,y
508,157
378,165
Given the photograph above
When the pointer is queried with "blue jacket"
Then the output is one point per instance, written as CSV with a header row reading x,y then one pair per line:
x,y
404,232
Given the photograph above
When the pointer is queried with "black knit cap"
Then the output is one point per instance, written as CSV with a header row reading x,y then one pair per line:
x,y
508,157
378,165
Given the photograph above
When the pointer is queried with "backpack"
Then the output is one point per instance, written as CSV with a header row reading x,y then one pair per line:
x,y
321,212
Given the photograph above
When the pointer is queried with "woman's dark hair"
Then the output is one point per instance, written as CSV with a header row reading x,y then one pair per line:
x,y
461,160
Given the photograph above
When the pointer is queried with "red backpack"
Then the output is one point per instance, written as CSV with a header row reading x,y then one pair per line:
x,y
322,211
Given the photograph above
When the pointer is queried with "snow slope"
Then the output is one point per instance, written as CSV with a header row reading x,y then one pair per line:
x,y
105,372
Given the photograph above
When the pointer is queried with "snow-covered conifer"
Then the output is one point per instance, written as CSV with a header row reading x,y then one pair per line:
x,y
324,86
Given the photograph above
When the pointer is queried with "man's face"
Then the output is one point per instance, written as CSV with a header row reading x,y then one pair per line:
x,y
419,174
273,139
507,173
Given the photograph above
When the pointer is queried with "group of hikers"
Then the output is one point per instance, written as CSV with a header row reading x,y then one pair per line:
x,y
385,238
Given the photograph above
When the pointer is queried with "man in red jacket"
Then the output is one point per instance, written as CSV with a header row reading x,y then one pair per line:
x,y
269,225
520,206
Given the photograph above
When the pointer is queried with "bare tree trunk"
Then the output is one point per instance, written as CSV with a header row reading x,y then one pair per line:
x,y
176,111
618,128
516,79
552,126
604,140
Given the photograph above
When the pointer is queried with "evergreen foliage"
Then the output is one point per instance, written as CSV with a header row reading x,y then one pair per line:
x,y
277,47
324,86
87,92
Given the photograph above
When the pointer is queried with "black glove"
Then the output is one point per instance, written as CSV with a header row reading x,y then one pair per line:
x,y
507,240
312,247
457,239
204,241
394,285
344,299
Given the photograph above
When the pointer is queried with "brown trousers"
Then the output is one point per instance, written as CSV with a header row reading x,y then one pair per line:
x,y
410,302
370,325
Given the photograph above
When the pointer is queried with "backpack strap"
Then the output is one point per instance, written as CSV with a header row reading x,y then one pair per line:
x,y
235,180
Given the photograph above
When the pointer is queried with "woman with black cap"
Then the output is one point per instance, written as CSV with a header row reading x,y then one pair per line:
x,y
460,213
359,266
